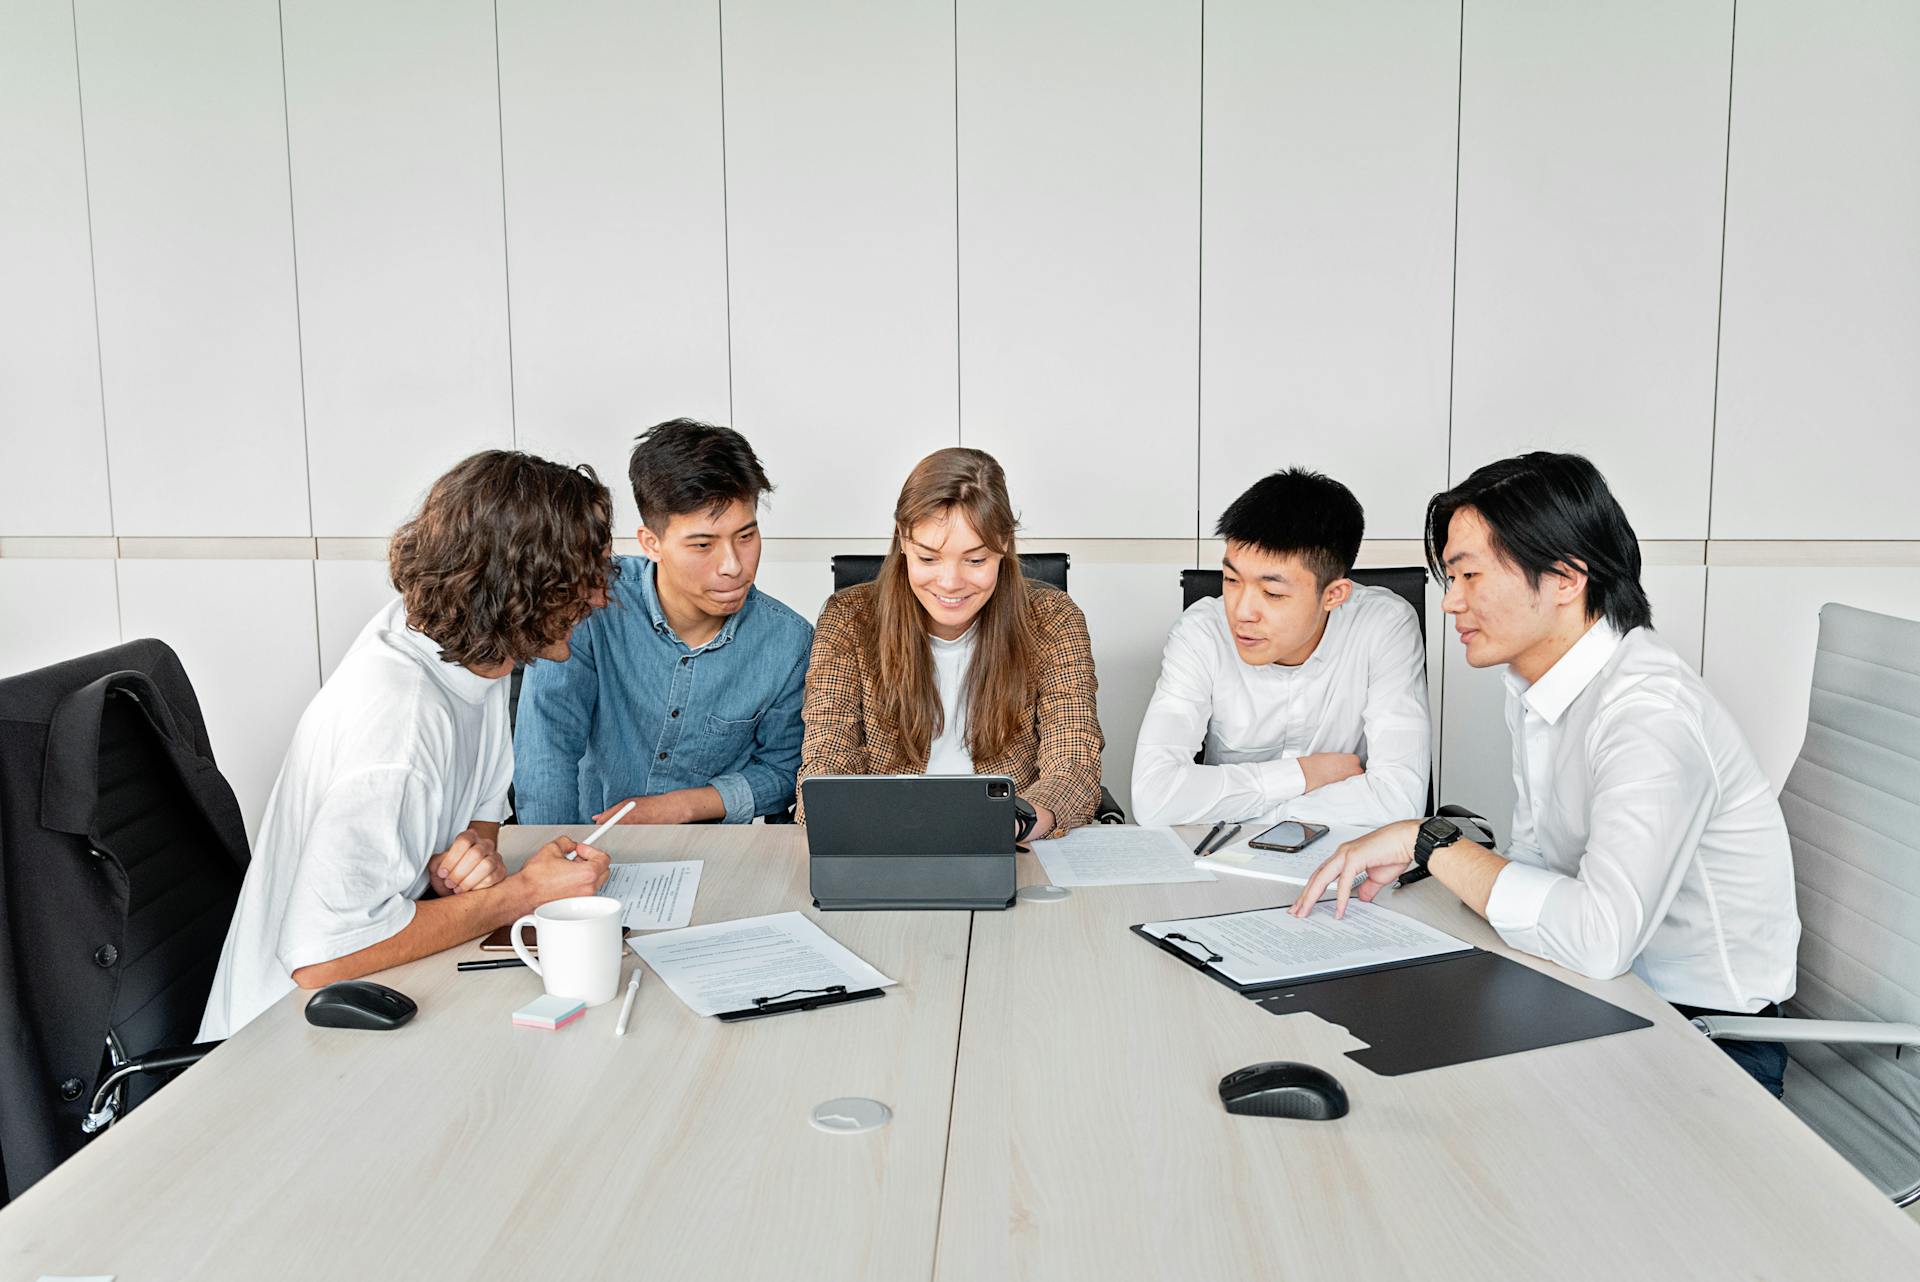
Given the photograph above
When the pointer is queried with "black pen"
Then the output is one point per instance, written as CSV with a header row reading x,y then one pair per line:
x,y
1211,834
1228,836
491,963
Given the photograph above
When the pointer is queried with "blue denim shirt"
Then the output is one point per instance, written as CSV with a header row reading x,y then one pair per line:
x,y
635,713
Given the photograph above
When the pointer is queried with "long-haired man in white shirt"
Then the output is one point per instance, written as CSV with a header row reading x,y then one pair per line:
x,y
1645,836
1304,692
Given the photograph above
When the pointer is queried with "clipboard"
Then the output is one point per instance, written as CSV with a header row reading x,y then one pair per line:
x,y
1428,1012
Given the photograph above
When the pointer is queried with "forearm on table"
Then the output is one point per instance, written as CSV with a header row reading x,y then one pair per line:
x,y
1468,870
437,925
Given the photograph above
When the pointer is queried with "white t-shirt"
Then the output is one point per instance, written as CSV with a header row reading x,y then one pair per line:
x,y
392,760
948,754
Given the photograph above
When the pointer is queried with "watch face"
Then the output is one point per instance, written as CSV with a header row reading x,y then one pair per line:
x,y
1437,829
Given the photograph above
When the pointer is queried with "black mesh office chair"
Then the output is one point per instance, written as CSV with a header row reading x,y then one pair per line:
x,y
1044,567
122,853
1409,582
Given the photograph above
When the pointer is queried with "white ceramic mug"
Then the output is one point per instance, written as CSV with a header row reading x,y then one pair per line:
x,y
580,946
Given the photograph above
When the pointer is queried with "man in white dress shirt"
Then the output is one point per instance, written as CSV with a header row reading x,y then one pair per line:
x,y
1645,836
1305,693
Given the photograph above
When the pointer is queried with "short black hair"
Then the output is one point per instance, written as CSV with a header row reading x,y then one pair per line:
x,y
684,465
1299,513
1543,510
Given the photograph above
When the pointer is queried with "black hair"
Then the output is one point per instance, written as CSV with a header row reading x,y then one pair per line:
x,y
683,465
1544,510
1299,513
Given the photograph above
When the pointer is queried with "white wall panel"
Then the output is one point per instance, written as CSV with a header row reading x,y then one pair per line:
x,y
1819,433
245,632
393,112
1763,624
616,228
199,342
54,477
1327,249
840,232
1129,608
53,610
1592,153
346,594
1477,753
1079,258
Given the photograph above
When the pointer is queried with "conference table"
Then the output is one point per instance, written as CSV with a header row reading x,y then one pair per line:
x,y
1053,1086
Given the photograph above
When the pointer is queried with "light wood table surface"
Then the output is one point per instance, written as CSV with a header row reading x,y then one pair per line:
x,y
1080,1134
1089,1140
460,1147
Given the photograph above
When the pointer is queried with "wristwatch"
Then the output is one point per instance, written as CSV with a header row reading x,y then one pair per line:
x,y
1434,833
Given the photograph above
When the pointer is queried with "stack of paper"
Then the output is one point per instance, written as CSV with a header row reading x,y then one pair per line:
x,y
1119,855
549,1012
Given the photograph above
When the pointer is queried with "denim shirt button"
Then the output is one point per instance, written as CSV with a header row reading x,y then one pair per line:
x,y
663,756
674,713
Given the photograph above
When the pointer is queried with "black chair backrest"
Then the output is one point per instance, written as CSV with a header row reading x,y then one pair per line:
x,y
1409,582
1047,567
181,887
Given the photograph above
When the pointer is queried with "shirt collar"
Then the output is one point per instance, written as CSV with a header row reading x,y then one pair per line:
x,y
1551,696
650,593
1323,649
459,679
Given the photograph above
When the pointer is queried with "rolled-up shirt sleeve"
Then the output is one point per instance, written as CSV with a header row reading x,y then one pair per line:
x,y
1168,786
1654,791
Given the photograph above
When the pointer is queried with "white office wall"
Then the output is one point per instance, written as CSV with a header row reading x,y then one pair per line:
x,y
1327,249
193,261
393,115
1819,434
616,227
840,250
861,231
1592,151
53,480
1079,241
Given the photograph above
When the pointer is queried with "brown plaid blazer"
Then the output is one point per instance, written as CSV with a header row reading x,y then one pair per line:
x,y
1055,762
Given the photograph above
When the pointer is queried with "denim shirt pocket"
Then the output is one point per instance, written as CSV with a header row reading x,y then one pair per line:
x,y
727,745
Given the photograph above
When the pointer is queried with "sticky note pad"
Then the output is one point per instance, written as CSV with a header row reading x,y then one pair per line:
x,y
549,1012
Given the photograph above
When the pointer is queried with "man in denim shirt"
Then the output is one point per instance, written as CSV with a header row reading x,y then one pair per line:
x,y
683,694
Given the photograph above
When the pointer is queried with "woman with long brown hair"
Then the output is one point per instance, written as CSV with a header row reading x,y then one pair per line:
x,y
951,661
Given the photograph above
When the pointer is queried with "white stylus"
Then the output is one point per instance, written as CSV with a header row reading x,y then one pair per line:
x,y
601,831
626,1007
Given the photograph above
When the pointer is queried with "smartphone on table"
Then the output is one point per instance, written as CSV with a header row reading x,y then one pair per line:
x,y
1289,835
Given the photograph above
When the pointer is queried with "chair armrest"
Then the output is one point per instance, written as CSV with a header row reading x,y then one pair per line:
x,y
163,1060
1108,811
1761,1028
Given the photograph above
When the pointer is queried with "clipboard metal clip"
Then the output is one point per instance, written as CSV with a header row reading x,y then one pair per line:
x,y
1211,956
800,999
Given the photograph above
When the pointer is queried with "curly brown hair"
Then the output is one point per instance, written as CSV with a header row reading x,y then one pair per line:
x,y
504,556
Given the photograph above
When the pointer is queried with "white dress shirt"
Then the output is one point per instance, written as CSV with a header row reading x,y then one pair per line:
x,y
1645,836
394,757
1363,690
948,754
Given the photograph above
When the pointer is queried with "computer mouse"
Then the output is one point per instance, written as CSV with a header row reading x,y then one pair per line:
x,y
1283,1089
359,1003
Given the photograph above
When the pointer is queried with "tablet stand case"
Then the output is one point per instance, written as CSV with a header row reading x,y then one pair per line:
x,y
921,841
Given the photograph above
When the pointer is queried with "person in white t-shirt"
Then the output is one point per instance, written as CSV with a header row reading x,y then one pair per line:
x,y
378,843
1304,693
1645,836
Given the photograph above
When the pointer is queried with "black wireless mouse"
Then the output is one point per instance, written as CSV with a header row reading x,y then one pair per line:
x,y
359,1003
1283,1089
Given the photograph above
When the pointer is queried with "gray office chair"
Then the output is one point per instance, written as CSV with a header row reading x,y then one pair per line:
x,y
1852,804
1045,567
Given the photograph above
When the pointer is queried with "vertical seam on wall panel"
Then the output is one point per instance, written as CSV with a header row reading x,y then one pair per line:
x,y
506,254
1453,334
959,391
293,252
1719,319
726,218
1200,300
93,283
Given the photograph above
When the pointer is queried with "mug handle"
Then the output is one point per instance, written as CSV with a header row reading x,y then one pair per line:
x,y
520,949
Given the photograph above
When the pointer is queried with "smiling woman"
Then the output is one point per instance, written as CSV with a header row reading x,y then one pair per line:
x,y
951,662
